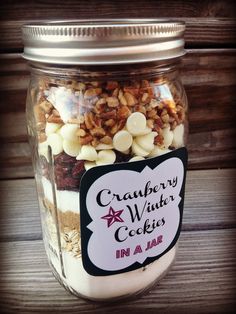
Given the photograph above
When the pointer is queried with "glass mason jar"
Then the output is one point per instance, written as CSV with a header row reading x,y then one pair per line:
x,y
107,123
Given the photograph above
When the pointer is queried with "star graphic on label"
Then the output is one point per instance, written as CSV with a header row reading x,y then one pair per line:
x,y
113,216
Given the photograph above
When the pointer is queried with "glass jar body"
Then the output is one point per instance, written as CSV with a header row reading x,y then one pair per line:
x,y
84,117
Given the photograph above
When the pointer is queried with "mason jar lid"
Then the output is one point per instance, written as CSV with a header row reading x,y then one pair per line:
x,y
95,42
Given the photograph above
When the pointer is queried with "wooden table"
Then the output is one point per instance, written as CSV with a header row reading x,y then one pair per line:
x,y
201,281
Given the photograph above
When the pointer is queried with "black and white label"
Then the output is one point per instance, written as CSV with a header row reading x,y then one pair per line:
x,y
131,213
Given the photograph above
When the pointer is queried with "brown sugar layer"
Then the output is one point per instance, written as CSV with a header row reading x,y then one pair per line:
x,y
68,220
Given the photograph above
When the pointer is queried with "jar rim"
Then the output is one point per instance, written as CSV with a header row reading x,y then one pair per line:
x,y
103,41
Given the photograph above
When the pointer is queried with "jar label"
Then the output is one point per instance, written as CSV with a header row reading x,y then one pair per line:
x,y
131,213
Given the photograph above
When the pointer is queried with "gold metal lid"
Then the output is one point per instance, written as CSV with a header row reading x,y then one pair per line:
x,y
100,41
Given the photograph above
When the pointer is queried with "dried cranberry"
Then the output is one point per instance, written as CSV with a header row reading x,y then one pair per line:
x,y
78,169
63,159
120,157
62,171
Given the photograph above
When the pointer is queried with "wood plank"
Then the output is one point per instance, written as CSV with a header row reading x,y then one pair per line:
x,y
90,9
198,282
13,132
19,211
212,149
15,160
208,23
209,203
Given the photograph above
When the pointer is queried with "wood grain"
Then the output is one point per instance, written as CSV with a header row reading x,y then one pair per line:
x,y
56,9
209,23
13,132
200,32
209,204
201,281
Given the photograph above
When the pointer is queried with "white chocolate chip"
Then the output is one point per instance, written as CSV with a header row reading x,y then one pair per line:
x,y
106,157
145,131
136,158
52,128
55,141
136,123
126,152
102,146
68,132
89,164
168,137
157,151
87,152
71,148
122,140
178,140
138,150
146,141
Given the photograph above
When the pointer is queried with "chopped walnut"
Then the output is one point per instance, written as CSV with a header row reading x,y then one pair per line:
x,y
112,102
150,123
95,142
88,120
145,97
152,114
81,132
121,124
98,132
165,116
115,92
54,119
122,99
86,139
140,108
131,100
106,140
123,112
46,106
110,122
108,115
96,121
154,103
100,103
92,92
131,90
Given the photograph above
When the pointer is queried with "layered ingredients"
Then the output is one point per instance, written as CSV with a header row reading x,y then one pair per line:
x,y
81,125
